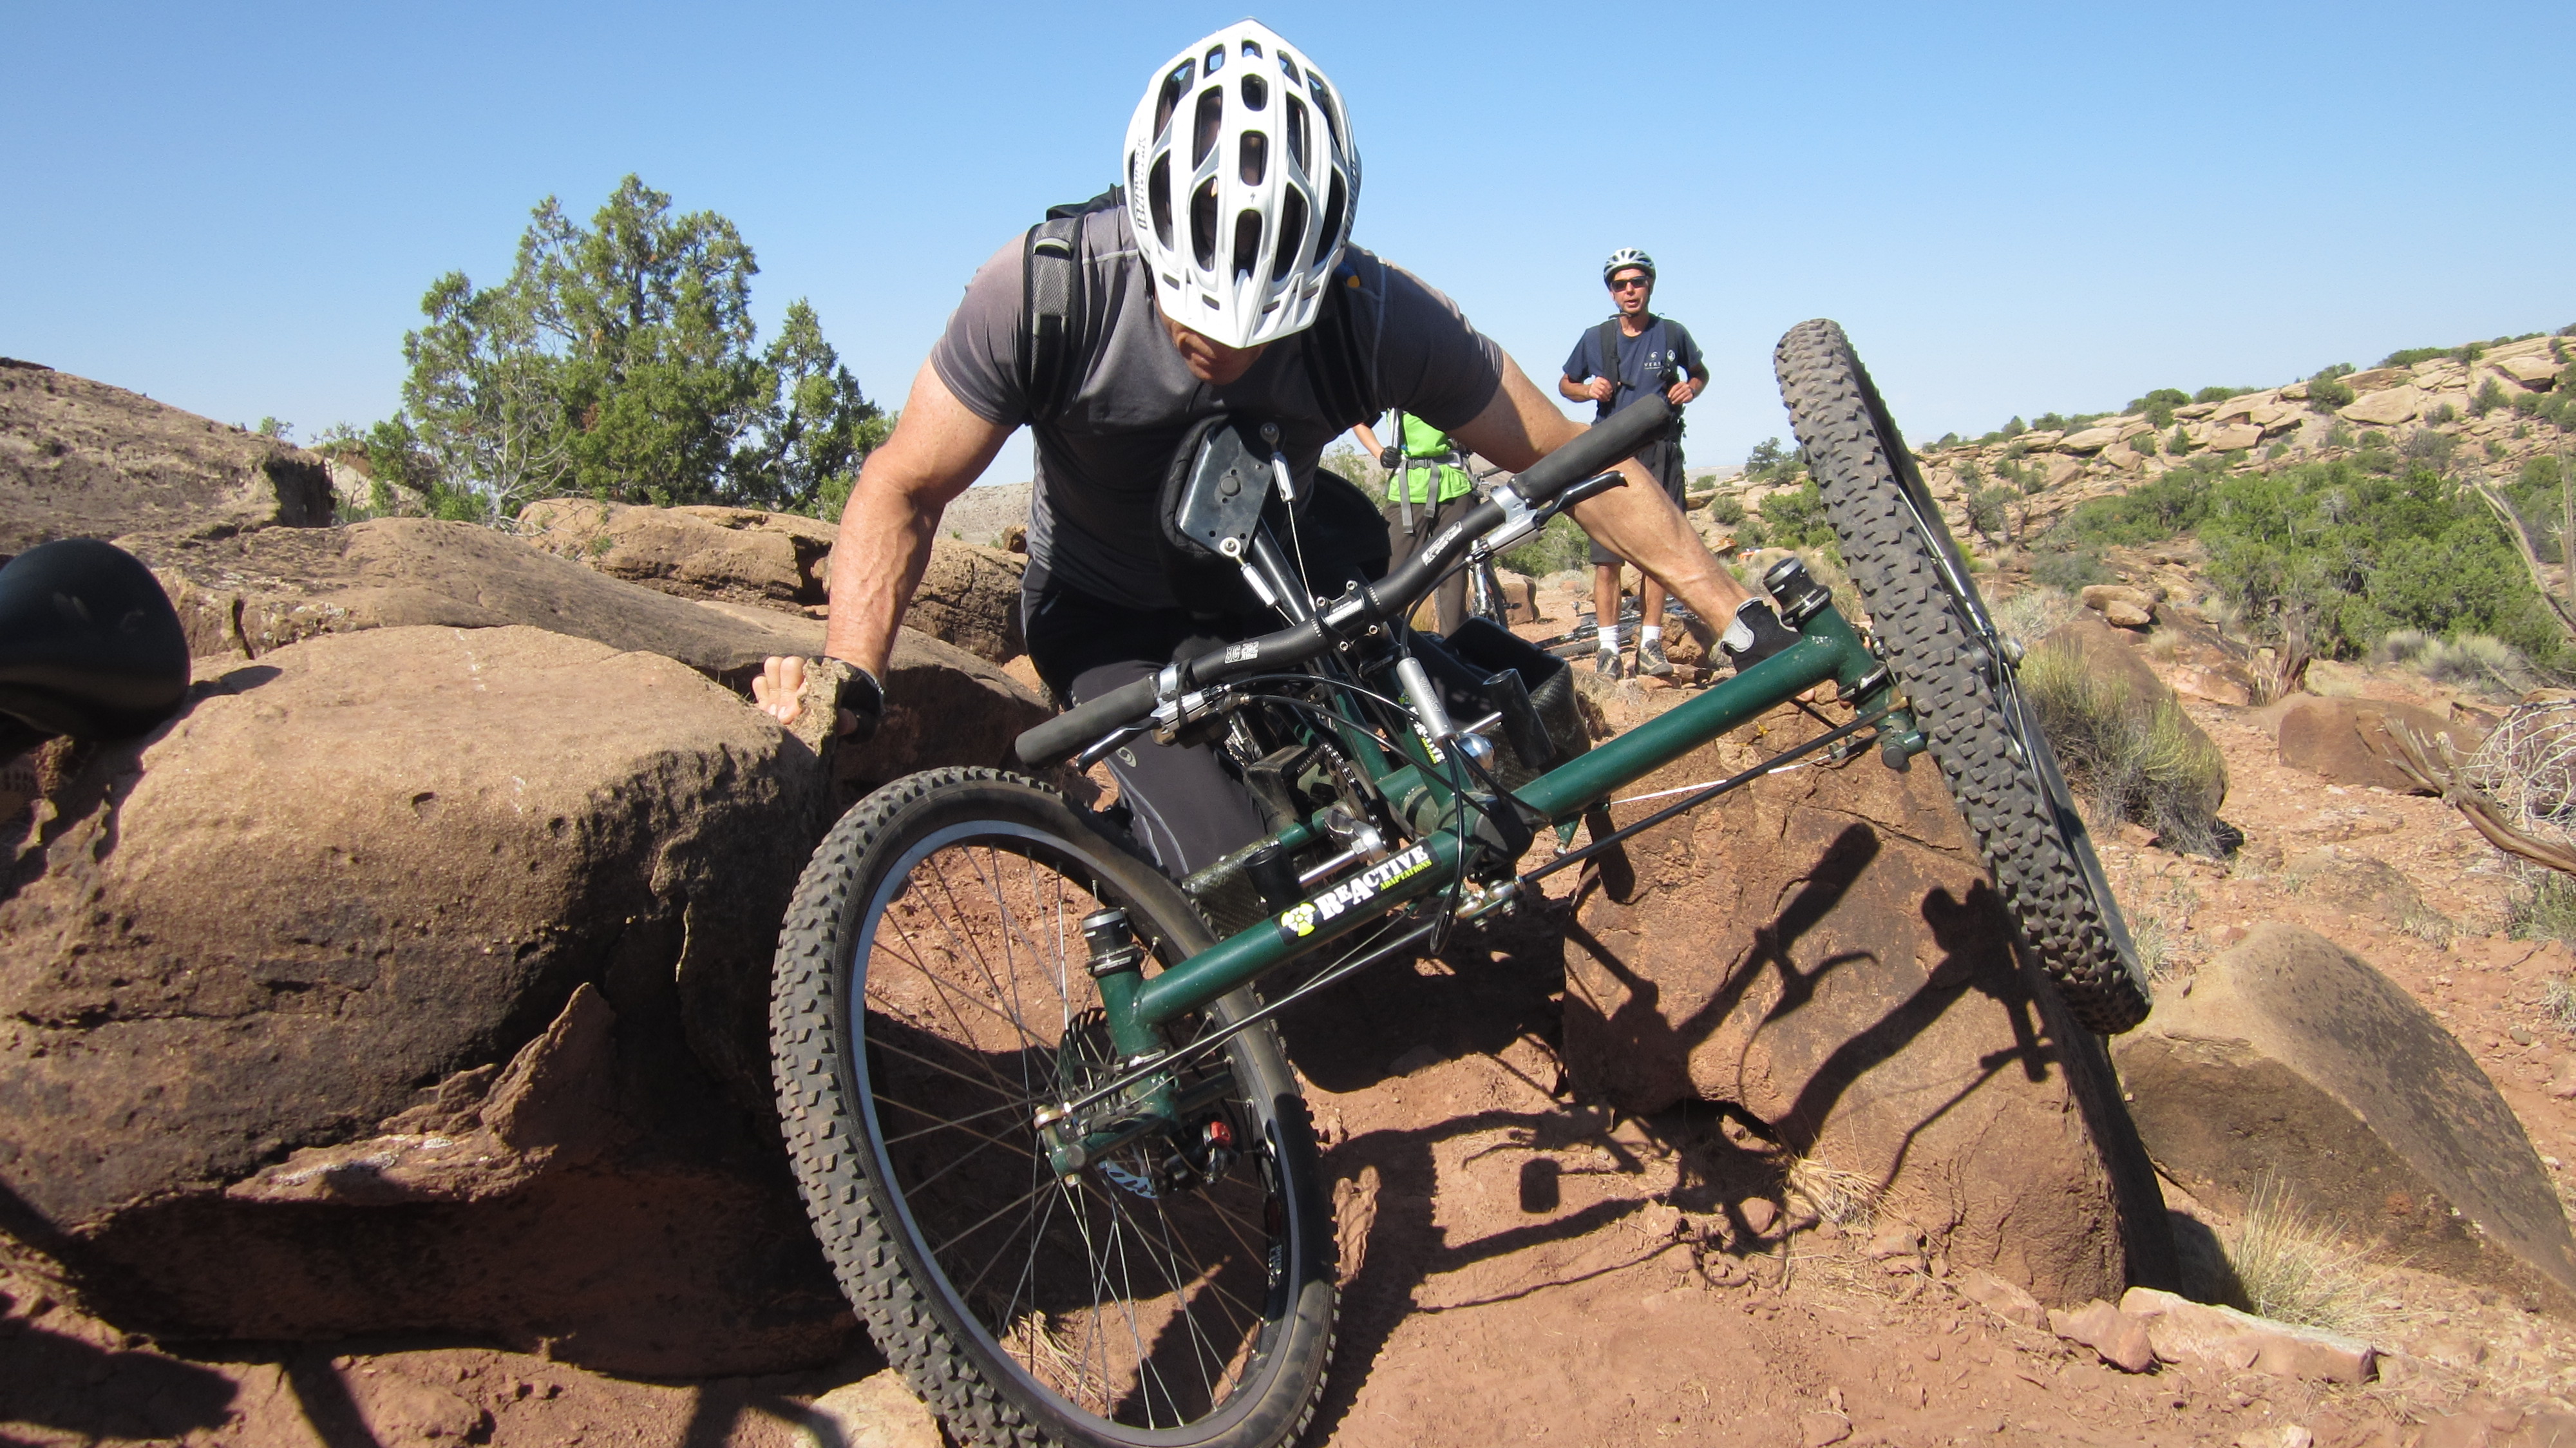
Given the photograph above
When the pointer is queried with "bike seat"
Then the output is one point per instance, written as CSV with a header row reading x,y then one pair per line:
x,y
89,644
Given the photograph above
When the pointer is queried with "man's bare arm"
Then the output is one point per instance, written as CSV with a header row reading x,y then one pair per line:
x,y
1637,522
939,447
937,450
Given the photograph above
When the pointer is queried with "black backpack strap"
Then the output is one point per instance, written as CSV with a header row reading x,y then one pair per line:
x,y
1337,365
1051,283
1610,362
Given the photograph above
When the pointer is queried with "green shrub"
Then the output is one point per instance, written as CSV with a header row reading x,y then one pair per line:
x,y
2219,394
1561,545
2409,356
2149,513
2432,449
2133,750
1990,513
2347,555
1795,518
2179,443
2069,572
2542,906
2490,396
1726,510
2016,427
2159,405
2442,415
2328,393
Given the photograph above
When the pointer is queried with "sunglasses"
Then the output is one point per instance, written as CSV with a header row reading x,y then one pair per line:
x,y
1631,284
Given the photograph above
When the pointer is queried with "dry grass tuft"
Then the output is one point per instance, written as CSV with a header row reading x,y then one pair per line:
x,y
2294,1270
2137,756
1846,1199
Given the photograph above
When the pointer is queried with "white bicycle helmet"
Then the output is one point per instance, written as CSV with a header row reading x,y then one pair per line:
x,y
1241,181
1626,256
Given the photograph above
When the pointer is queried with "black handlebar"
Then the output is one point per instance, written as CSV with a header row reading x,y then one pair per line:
x,y
1059,737
1598,448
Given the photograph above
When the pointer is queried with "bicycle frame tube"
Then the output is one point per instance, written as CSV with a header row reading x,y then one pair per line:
x,y
1828,650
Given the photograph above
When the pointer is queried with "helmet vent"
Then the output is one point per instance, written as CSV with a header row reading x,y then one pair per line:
x,y
1292,231
1287,67
1203,224
1215,59
1333,208
1297,132
1247,242
1256,91
1158,193
1254,162
1324,103
1175,86
1211,119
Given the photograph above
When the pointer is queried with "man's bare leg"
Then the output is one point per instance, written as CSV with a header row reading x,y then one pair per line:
x,y
1605,607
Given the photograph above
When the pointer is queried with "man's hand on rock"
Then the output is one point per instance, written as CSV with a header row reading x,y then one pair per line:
x,y
780,693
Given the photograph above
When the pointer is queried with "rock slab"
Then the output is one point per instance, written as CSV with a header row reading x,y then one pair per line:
x,y
2292,1062
413,980
2346,741
81,459
1824,950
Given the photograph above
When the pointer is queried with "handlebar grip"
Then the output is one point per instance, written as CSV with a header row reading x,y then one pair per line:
x,y
1604,445
1064,735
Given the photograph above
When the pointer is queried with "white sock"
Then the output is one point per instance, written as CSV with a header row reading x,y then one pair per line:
x,y
1610,638
1652,633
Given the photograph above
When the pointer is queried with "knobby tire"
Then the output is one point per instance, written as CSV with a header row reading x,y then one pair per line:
x,y
1981,731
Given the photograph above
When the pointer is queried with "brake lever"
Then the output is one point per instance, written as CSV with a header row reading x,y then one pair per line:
x,y
1591,487
1100,747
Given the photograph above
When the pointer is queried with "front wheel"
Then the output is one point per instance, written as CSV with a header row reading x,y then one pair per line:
x,y
1945,655
931,998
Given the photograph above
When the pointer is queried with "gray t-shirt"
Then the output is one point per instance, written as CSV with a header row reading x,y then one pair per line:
x,y
1102,458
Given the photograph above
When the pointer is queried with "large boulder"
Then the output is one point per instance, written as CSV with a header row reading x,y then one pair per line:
x,y
2293,1066
81,459
736,554
1824,951
2105,709
412,980
2346,741
246,595
2386,407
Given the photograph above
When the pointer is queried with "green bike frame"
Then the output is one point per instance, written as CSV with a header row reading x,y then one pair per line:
x,y
1140,1007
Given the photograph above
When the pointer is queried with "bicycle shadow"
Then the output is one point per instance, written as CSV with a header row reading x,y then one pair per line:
x,y
1726,1156
52,1380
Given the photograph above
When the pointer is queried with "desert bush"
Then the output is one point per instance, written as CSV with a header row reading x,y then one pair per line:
x,y
1561,545
1795,518
2034,613
2433,449
2328,393
2401,646
2476,661
2148,513
2541,905
2490,396
2442,415
2159,405
1726,510
1990,513
2292,1269
2071,569
2135,753
2409,356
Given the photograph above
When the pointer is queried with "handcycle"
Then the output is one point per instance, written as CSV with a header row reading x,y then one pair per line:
x,y
1032,1090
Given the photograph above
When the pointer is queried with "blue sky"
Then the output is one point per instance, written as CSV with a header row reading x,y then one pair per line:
x,y
236,208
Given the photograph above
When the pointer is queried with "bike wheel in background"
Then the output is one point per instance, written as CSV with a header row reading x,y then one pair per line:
x,y
1946,657
931,997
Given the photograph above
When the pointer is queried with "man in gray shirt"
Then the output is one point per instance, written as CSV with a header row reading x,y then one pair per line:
x,y
1188,306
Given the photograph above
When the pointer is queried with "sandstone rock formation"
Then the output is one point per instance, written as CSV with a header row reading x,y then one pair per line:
x,y
969,595
81,459
737,554
1824,951
2292,1065
397,986
250,593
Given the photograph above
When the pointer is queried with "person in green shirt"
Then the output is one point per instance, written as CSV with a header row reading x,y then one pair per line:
x,y
1427,489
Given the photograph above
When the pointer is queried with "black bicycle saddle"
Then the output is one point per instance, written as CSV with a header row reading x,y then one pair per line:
x,y
89,644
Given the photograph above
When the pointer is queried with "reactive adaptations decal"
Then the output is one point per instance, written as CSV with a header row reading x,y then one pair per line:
x,y
1299,921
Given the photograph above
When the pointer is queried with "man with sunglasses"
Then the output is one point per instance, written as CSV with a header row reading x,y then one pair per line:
x,y
1653,354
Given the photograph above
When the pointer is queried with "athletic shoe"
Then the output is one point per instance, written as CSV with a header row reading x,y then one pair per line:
x,y
1650,659
1756,634
1608,665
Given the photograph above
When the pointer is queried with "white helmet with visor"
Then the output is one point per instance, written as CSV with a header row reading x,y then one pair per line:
x,y
1241,180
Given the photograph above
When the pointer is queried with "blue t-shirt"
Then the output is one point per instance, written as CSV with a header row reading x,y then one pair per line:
x,y
1649,363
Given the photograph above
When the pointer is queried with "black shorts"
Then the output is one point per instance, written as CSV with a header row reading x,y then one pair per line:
x,y
1662,460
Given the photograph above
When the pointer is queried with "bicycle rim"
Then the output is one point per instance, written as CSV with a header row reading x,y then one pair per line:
x,y
1124,1310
